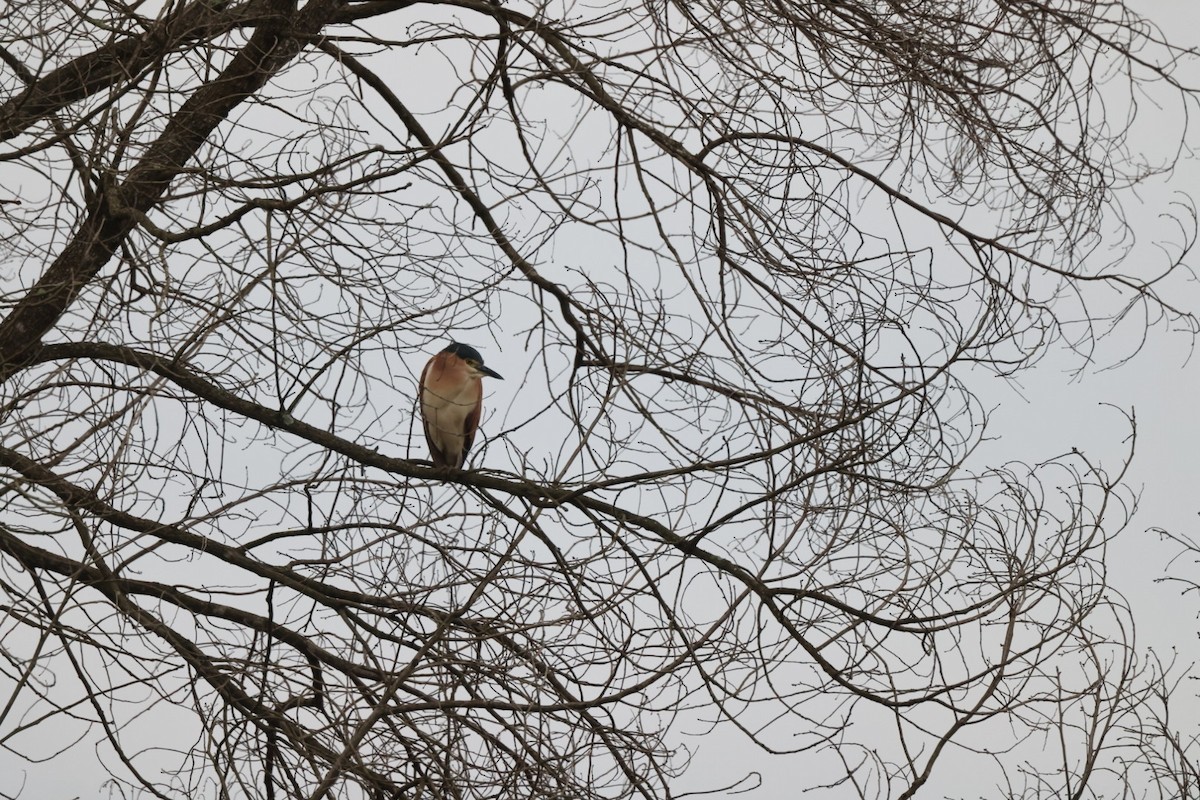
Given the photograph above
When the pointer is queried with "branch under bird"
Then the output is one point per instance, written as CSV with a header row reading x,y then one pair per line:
x,y
452,401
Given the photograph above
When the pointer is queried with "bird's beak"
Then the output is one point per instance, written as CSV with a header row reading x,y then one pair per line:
x,y
490,372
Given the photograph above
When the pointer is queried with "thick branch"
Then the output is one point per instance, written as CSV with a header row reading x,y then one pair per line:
x,y
274,43
114,62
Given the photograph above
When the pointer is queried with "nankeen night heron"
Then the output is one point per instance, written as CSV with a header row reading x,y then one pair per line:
x,y
451,402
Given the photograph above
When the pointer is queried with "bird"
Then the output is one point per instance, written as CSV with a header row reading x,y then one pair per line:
x,y
451,402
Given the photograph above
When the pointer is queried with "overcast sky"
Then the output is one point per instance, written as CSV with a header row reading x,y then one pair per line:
x,y
1056,407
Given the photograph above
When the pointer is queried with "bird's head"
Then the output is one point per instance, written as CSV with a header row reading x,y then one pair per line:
x,y
472,359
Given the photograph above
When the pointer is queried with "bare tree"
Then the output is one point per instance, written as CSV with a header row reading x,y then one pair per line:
x,y
742,265
1158,746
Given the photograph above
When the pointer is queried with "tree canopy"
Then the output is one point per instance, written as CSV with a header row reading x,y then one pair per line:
x,y
742,264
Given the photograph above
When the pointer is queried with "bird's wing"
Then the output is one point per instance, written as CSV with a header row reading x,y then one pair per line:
x,y
438,457
472,422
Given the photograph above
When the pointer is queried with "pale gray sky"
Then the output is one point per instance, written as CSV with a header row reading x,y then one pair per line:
x,y
1053,409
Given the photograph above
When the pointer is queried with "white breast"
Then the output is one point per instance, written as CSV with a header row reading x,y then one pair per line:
x,y
446,418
